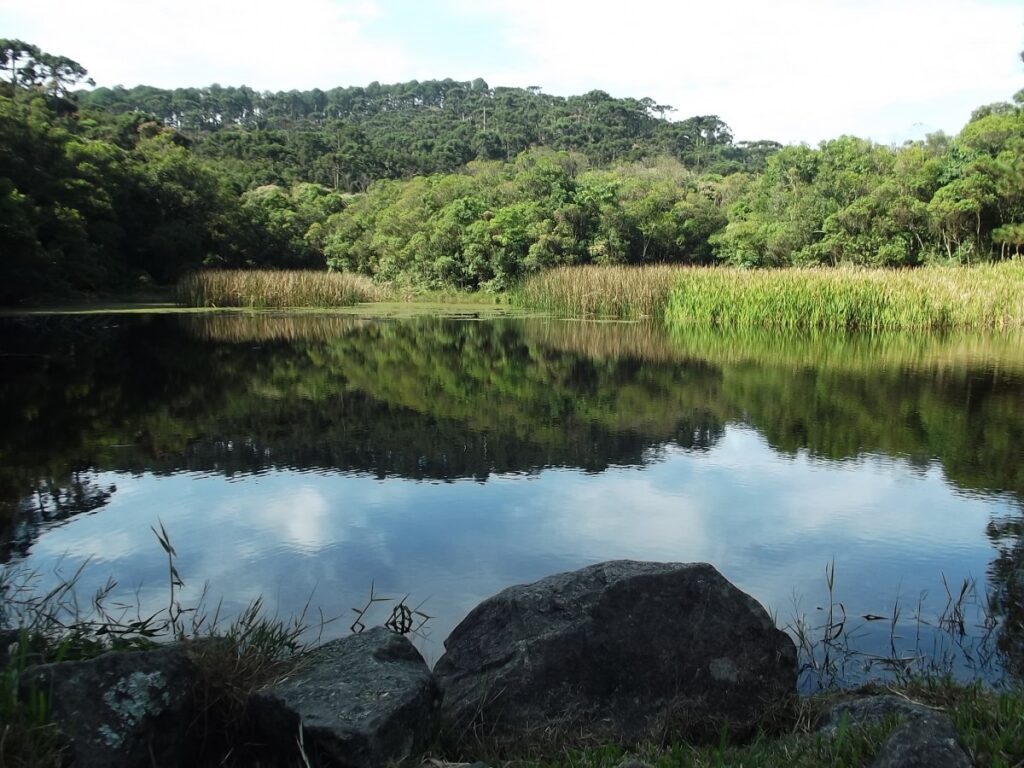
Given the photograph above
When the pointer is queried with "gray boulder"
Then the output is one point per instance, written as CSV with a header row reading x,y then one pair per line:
x,y
926,742
623,650
868,711
923,737
364,700
120,709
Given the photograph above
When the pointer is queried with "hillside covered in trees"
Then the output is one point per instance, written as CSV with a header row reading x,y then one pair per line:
x,y
447,184
347,137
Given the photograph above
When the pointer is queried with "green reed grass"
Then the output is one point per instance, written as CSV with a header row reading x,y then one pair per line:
x,y
987,296
264,289
623,292
936,298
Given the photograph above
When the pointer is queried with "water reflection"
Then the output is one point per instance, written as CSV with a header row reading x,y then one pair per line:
x,y
452,458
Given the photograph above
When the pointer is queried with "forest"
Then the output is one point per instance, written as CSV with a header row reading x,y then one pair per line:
x,y
458,186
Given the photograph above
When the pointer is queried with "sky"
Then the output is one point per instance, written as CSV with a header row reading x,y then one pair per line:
x,y
789,70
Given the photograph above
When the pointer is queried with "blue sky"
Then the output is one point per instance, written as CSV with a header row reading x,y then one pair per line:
x,y
792,70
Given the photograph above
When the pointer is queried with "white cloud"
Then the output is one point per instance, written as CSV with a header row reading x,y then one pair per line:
x,y
791,70
273,46
298,517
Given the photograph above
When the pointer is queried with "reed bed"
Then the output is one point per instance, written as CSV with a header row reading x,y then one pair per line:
x,y
592,291
987,296
275,289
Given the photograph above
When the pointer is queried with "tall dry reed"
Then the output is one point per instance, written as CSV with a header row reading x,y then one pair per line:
x,y
617,291
264,289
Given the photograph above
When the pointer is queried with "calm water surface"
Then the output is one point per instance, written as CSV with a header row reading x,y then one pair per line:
x,y
312,455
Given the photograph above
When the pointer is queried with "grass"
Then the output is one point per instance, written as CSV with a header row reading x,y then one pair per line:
x,y
291,289
233,659
800,747
266,289
990,726
988,296
591,291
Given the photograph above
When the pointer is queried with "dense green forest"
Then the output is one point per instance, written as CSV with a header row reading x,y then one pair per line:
x,y
446,184
345,138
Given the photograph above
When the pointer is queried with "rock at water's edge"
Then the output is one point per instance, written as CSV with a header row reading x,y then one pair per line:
x,y
924,737
623,650
926,742
120,709
364,700
868,711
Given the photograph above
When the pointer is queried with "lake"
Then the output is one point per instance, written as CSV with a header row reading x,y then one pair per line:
x,y
305,457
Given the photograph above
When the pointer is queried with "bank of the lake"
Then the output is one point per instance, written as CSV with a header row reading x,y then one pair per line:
x,y
936,298
177,688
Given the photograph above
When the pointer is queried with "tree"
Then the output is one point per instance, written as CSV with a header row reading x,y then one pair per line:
x,y
33,68
14,51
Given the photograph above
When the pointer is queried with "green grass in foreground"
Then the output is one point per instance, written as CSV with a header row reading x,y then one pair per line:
x,y
990,725
233,659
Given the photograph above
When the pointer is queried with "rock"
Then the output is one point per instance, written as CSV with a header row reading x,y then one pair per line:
x,y
620,651
923,742
120,709
364,700
924,737
869,711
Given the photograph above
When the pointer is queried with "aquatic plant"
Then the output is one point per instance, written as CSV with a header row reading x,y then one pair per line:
x,y
264,289
616,291
931,298
985,296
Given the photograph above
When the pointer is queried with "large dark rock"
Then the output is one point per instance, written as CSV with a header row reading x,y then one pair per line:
x,y
365,700
623,650
120,709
